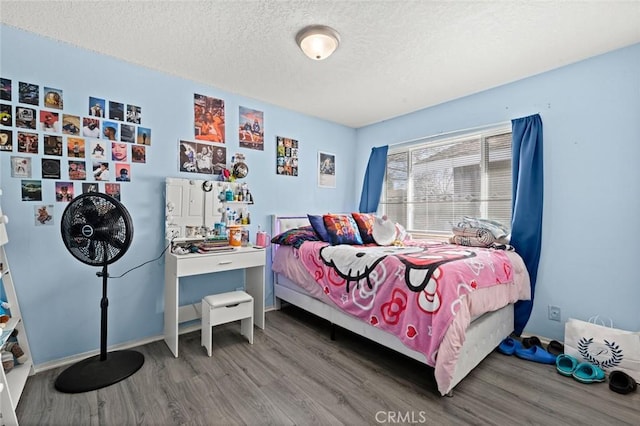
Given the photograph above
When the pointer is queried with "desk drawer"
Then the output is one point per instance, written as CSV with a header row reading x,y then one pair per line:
x,y
204,264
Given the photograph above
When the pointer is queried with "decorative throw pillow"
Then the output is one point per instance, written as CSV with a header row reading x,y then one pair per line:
x,y
342,229
317,223
384,231
365,226
296,236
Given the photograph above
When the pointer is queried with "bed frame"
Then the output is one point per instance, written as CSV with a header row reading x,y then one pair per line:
x,y
482,337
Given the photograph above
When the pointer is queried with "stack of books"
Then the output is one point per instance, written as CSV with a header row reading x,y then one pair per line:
x,y
214,245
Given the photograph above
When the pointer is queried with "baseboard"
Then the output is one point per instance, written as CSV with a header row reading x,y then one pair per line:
x,y
544,340
127,345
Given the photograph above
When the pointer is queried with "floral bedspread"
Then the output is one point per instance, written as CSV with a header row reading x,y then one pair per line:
x,y
412,292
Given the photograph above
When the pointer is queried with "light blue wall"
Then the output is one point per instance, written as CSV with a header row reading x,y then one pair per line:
x,y
591,117
59,296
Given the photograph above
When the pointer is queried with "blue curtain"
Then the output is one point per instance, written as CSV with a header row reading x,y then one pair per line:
x,y
373,179
527,195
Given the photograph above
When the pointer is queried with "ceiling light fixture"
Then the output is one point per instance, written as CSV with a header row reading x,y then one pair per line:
x,y
318,41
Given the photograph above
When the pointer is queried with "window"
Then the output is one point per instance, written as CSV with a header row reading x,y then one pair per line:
x,y
430,184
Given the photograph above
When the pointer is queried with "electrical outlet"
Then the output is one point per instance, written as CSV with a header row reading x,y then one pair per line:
x,y
554,313
172,232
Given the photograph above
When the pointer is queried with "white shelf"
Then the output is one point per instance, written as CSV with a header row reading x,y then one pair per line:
x,y
12,382
17,379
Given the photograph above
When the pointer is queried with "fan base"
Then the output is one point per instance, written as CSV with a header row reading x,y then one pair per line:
x,y
91,373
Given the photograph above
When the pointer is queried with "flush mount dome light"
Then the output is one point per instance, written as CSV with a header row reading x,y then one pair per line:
x,y
318,42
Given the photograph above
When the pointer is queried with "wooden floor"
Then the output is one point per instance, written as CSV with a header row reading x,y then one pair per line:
x,y
294,374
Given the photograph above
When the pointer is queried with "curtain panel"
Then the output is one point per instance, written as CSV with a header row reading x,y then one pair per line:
x,y
527,197
373,180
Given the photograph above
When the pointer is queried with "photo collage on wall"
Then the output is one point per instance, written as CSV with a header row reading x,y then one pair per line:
x,y
99,146
286,156
208,154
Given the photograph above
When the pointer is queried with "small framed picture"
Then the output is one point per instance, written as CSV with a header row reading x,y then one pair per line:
x,y
52,98
326,170
21,167
286,156
43,214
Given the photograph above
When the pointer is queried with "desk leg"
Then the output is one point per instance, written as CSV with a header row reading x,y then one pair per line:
x,y
254,284
171,283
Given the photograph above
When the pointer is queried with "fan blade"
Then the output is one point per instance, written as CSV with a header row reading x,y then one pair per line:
x,y
116,243
92,249
89,211
110,218
80,244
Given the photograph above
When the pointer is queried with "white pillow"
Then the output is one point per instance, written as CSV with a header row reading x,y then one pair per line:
x,y
384,231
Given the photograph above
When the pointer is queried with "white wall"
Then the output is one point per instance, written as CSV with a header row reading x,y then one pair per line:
x,y
591,117
60,296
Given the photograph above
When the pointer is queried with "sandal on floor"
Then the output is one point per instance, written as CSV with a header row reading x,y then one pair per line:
x,y
554,347
588,373
621,382
509,345
536,354
528,342
566,364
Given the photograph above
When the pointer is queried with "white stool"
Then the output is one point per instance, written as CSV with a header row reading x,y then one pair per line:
x,y
223,308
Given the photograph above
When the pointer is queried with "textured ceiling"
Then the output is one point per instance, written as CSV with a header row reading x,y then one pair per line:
x,y
395,57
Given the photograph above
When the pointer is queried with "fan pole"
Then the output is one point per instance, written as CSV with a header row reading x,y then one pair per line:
x,y
104,304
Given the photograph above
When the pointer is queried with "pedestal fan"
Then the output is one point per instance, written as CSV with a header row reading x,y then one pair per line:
x,y
97,230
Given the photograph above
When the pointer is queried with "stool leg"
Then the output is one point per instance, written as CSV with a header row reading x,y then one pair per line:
x,y
246,328
205,327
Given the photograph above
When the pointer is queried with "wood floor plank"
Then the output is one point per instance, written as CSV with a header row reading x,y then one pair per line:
x,y
290,397
294,374
47,403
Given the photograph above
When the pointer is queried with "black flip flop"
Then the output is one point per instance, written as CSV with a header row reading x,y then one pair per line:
x,y
528,342
621,382
556,348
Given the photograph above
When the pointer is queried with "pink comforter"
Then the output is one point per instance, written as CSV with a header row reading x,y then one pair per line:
x,y
412,292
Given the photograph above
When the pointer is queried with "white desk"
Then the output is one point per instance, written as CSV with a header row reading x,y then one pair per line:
x,y
250,259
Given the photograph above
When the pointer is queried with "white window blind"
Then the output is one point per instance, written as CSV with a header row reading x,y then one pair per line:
x,y
430,185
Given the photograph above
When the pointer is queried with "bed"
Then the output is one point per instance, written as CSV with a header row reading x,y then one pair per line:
x,y
480,317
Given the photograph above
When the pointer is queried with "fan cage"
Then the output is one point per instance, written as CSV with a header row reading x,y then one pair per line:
x,y
96,228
